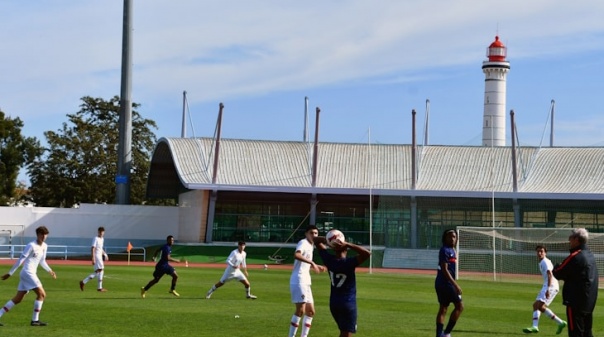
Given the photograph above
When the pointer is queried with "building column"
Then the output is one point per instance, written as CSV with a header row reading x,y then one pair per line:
x,y
517,214
211,211
313,210
414,230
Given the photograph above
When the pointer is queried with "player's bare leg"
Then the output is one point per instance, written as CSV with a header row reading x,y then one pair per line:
x,y
440,319
455,314
40,296
247,286
309,313
173,285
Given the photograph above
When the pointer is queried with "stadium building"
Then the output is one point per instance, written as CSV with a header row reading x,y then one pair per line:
x,y
395,196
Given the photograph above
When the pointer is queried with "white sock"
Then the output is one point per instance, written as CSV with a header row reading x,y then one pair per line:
x,y
293,327
553,316
89,277
306,323
536,315
37,309
9,305
101,273
247,291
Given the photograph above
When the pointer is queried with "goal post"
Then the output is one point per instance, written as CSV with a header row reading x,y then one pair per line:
x,y
508,253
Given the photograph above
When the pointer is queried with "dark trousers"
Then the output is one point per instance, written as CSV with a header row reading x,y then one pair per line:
x,y
579,323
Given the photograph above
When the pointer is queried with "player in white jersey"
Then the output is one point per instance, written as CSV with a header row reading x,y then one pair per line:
x,y
98,256
300,282
235,264
548,292
34,254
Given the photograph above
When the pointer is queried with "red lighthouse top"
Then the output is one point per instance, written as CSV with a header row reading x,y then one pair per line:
x,y
496,51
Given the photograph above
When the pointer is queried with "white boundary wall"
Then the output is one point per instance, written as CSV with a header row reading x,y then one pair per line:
x,y
140,225
191,216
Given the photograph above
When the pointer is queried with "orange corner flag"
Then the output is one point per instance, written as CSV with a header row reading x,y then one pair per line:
x,y
129,247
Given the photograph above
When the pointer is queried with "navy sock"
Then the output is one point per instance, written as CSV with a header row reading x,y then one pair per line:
x,y
450,326
439,329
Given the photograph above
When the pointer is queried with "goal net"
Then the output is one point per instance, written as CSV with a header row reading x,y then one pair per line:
x,y
508,253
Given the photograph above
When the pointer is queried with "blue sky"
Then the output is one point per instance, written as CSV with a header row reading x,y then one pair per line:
x,y
366,64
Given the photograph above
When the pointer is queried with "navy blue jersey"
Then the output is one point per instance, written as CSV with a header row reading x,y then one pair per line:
x,y
163,267
446,255
166,251
342,275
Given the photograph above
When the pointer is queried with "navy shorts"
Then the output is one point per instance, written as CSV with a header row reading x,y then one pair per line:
x,y
345,315
447,294
162,270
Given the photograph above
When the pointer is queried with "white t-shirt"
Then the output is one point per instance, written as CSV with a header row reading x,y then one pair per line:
x,y
232,271
236,259
544,266
98,243
32,256
301,272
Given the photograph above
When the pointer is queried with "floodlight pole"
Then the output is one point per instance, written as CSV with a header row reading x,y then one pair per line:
x,y
124,159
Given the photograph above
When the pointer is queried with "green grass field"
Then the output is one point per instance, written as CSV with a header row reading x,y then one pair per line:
x,y
389,305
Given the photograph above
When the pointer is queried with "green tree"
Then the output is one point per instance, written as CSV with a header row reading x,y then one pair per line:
x,y
80,163
16,152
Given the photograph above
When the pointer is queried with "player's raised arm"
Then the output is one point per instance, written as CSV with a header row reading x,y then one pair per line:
x,y
320,242
363,253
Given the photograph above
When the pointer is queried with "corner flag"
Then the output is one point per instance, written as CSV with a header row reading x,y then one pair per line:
x,y
128,249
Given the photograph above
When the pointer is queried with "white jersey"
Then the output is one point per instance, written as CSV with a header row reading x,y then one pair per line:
x,y
99,252
301,272
97,244
32,256
544,266
233,270
236,259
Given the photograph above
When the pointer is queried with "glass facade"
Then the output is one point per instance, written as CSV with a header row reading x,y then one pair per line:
x,y
258,217
282,217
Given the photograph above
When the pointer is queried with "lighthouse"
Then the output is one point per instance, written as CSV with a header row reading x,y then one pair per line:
x,y
495,70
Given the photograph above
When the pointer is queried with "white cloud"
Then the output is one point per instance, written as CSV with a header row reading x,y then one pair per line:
x,y
60,51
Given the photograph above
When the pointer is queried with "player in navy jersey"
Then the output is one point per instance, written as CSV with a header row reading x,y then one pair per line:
x,y
447,289
163,267
343,298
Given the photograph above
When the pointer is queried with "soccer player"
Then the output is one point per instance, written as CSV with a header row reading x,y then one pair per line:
x,y
34,254
546,296
163,267
98,256
447,289
300,282
343,298
235,263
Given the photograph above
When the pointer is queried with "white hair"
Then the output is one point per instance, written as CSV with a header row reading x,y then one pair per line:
x,y
581,234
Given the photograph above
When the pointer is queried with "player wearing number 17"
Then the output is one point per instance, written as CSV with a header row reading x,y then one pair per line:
x,y
343,298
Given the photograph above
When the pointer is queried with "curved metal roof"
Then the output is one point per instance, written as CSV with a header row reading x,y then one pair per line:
x,y
181,164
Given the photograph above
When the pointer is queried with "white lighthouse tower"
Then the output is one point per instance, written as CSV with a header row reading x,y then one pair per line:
x,y
495,70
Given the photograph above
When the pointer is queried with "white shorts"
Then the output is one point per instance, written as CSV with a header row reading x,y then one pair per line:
x,y
232,273
99,264
301,293
552,294
28,282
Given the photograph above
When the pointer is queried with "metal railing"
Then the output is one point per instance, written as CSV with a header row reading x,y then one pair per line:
x,y
65,252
